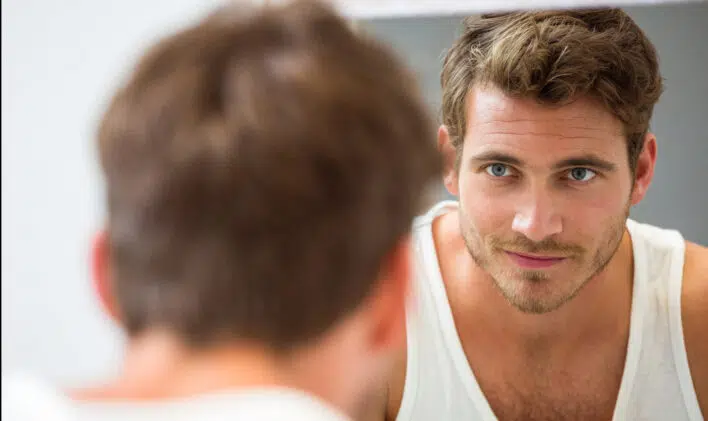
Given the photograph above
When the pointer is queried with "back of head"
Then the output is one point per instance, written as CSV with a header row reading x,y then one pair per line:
x,y
556,57
259,166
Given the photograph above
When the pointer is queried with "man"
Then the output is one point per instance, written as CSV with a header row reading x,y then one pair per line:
x,y
538,298
263,168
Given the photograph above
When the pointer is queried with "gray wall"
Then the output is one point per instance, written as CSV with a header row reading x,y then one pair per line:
x,y
678,197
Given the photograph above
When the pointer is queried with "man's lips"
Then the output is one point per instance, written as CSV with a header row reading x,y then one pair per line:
x,y
531,261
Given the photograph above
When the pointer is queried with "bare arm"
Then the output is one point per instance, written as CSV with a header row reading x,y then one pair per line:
x,y
695,319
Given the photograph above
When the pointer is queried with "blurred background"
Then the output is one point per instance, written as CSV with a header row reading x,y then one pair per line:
x,y
62,60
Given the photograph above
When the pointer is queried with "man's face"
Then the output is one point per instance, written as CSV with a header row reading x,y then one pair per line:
x,y
544,194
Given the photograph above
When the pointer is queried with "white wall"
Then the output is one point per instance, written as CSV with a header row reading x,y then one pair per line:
x,y
60,61
369,9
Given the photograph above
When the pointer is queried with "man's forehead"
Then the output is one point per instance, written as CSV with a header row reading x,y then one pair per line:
x,y
489,111
539,135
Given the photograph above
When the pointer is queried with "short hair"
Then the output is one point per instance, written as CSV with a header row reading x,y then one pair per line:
x,y
555,57
260,165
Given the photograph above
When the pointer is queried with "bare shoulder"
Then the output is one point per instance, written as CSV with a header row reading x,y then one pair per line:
x,y
695,286
383,404
694,298
395,387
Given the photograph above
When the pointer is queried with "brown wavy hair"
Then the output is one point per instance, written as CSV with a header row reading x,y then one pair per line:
x,y
260,165
555,57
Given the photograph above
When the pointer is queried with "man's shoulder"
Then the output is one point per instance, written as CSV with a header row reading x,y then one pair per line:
x,y
694,312
695,270
695,282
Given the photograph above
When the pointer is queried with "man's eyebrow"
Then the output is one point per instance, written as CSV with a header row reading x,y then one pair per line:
x,y
497,157
586,161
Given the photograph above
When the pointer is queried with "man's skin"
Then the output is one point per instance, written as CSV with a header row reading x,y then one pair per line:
x,y
552,182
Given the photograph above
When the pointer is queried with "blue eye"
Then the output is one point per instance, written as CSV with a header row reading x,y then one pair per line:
x,y
498,170
581,174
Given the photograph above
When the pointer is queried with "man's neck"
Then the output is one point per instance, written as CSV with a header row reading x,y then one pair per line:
x,y
599,312
157,366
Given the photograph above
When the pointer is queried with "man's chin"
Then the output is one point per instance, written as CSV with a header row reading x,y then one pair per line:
x,y
536,307
533,296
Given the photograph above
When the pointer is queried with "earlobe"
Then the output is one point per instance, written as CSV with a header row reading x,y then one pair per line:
x,y
644,171
450,156
100,274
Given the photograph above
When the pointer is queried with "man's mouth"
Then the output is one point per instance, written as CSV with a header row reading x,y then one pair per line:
x,y
534,261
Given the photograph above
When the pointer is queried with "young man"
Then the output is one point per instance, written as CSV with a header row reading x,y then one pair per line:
x,y
263,169
538,299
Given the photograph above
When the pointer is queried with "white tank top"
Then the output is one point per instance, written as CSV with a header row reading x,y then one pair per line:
x,y
656,382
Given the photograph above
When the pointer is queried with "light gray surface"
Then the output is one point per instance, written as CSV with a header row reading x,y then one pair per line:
x,y
60,61
678,197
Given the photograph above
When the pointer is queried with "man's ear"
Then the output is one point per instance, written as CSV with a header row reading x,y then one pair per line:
x,y
101,274
389,298
644,171
450,157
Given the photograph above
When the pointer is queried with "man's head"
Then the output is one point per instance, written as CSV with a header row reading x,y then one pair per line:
x,y
545,132
262,172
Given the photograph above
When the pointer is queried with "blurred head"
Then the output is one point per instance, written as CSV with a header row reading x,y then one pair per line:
x,y
546,139
262,172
